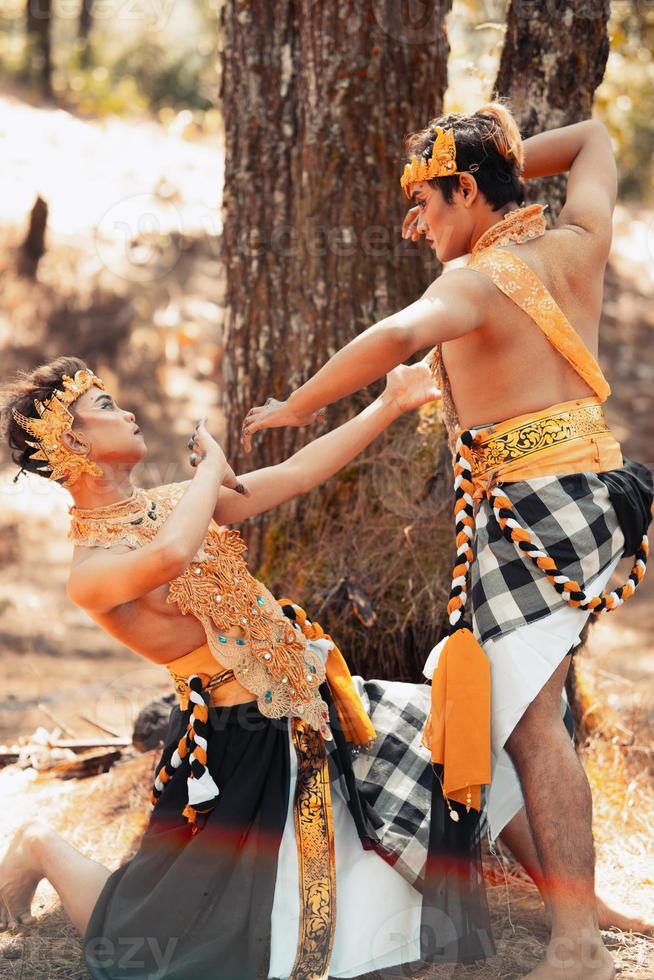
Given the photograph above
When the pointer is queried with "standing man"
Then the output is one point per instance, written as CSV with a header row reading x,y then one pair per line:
x,y
545,504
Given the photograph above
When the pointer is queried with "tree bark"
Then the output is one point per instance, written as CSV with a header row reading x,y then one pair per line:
x,y
317,99
553,59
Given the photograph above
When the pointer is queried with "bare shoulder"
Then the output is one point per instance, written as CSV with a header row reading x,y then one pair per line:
x,y
566,246
462,286
569,255
469,294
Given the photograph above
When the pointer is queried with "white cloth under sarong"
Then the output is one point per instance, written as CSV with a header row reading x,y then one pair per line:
x,y
378,912
521,662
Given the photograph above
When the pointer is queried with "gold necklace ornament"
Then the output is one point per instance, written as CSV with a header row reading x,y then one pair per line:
x,y
518,225
271,657
54,418
133,521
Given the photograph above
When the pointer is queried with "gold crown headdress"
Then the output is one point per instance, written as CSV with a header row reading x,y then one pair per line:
x,y
442,162
54,419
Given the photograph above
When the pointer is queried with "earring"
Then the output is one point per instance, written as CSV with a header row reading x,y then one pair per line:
x,y
75,464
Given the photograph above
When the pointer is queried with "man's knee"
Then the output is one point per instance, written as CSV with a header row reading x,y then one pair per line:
x,y
539,732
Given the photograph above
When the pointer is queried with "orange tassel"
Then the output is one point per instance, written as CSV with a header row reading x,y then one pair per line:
x,y
458,732
357,727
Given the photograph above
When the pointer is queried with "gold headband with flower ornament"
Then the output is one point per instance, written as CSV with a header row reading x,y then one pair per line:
x,y
441,164
54,419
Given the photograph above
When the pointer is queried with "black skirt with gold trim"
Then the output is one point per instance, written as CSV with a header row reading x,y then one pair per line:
x,y
195,901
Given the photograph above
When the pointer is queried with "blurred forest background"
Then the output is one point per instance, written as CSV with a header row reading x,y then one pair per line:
x,y
155,158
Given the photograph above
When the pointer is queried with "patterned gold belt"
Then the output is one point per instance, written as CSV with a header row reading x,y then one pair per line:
x,y
526,437
209,682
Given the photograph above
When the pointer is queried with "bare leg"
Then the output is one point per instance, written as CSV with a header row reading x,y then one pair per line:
x,y
35,852
559,810
518,838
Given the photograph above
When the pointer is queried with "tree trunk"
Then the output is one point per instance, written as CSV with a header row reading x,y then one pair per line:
x,y
317,99
84,25
38,23
554,57
33,246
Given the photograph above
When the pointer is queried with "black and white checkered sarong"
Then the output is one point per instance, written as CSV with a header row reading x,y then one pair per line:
x,y
571,518
395,776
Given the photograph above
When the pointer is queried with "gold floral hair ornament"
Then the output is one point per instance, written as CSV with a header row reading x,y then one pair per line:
x,y
442,162
54,419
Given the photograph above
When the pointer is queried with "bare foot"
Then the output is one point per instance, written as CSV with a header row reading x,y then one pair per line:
x,y
612,916
572,958
19,875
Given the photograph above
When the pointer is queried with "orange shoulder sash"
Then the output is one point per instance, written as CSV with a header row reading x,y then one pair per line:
x,y
514,277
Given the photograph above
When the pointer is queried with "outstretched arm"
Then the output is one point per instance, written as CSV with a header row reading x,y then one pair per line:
x,y
452,306
406,389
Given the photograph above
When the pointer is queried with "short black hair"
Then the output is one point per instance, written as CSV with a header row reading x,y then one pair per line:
x,y
489,137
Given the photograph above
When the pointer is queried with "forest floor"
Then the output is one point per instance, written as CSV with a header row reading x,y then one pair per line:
x,y
148,306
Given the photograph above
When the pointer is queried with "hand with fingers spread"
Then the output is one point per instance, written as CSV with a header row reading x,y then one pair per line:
x,y
410,386
272,415
205,447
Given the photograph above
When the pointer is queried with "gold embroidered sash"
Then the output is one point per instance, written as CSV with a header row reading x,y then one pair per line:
x,y
521,284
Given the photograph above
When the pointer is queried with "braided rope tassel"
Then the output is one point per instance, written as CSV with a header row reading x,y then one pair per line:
x,y
312,631
202,790
298,616
458,727
465,526
167,770
570,590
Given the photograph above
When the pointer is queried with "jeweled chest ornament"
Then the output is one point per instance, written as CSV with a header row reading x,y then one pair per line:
x,y
270,657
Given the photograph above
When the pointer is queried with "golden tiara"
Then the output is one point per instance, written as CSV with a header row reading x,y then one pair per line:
x,y
54,419
442,162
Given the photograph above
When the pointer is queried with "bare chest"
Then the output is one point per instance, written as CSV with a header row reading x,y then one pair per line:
x,y
153,628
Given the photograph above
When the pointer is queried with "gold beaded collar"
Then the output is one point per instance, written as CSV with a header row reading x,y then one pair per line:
x,y
133,520
518,225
